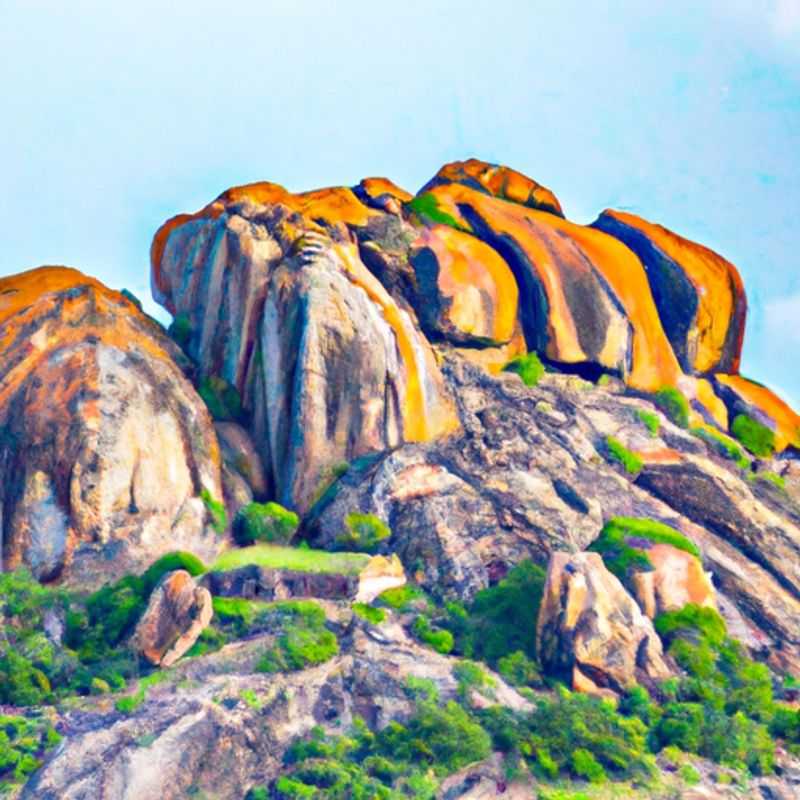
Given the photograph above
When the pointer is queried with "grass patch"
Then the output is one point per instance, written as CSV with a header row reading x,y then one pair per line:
x,y
369,613
129,704
23,742
617,451
771,477
672,402
650,420
217,514
757,438
529,368
622,544
293,558
723,445
427,207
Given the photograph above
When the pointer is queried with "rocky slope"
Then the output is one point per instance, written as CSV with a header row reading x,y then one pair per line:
x,y
462,378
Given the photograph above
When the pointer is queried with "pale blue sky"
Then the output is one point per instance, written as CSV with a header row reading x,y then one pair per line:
x,y
116,115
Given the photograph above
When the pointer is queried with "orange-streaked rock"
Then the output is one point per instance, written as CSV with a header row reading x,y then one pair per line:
x,y
381,193
699,295
743,396
501,182
590,628
677,579
470,291
107,445
584,296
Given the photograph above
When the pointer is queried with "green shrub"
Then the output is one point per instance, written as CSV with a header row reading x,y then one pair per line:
x,y
303,639
501,619
472,677
439,639
223,400
689,774
519,670
757,438
724,445
23,742
706,623
170,563
631,463
650,420
404,598
363,533
623,544
216,511
371,614
427,206
180,330
771,477
585,765
529,367
265,522
785,724
672,402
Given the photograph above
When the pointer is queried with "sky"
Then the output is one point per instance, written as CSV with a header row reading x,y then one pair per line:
x,y
115,116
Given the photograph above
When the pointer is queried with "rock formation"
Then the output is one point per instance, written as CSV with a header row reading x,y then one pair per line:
x,y
104,445
176,615
591,631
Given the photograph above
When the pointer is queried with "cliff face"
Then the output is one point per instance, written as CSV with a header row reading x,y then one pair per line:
x,y
104,444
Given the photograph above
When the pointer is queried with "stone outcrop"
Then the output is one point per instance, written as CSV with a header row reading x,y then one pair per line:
x,y
591,631
177,613
104,445
676,579
699,295
265,583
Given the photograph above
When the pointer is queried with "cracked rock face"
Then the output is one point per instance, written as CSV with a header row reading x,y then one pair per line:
x,y
591,630
104,444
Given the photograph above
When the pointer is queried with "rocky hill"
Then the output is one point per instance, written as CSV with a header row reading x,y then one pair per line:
x,y
433,495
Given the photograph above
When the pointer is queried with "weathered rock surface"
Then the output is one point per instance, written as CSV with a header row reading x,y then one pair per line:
x,y
197,735
699,295
591,631
677,579
329,366
104,444
177,613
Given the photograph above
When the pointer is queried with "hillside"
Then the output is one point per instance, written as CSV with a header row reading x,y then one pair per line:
x,y
433,495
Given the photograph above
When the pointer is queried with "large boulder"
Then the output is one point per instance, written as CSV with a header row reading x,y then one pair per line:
x,y
275,299
699,295
584,298
591,631
499,181
177,613
105,447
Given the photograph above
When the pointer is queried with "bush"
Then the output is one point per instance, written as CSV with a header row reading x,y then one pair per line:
x,y
529,367
519,670
222,400
363,533
169,563
180,330
585,765
265,522
757,438
623,544
439,639
631,463
723,445
650,420
23,741
371,614
404,598
501,619
302,641
672,402
216,511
